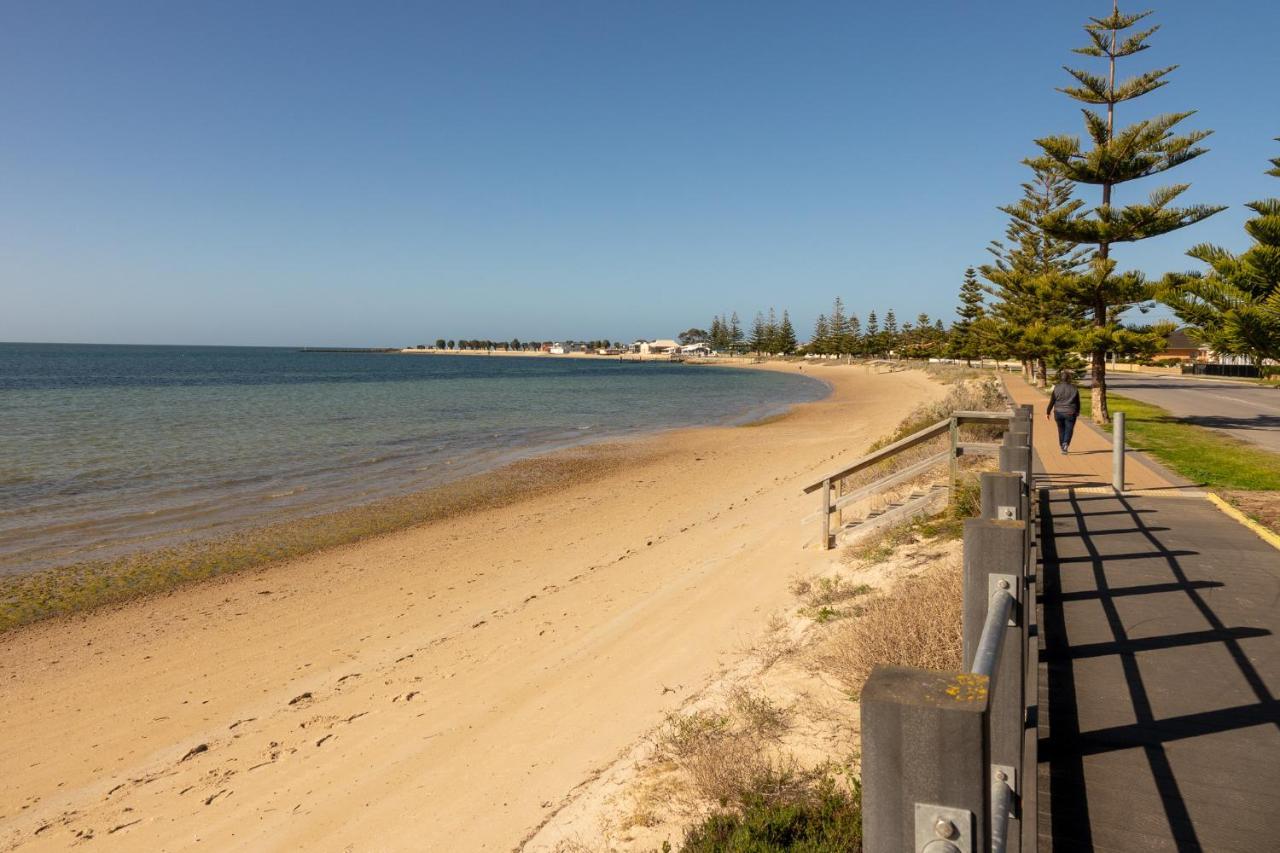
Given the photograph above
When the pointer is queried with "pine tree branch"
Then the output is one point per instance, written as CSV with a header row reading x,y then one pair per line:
x,y
1141,84
1093,88
1116,21
1135,43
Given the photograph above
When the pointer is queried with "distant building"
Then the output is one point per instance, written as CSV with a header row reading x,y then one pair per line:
x,y
696,349
660,347
1181,346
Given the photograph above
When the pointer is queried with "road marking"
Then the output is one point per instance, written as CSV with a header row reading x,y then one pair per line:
x,y
1249,403
1242,402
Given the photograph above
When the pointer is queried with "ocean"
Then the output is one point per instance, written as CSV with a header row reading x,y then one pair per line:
x,y
106,450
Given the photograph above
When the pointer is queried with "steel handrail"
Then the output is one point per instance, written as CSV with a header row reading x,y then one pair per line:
x,y
1001,809
993,630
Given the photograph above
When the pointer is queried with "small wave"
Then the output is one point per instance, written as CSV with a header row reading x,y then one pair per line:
x,y
285,494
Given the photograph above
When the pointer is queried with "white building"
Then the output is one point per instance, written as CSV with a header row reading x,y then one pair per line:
x,y
661,347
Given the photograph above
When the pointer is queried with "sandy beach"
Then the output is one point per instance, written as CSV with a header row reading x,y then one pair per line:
x,y
448,687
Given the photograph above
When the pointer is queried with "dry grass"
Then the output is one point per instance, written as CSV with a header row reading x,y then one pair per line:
x,y
759,714
881,546
1263,507
977,395
733,757
777,642
821,595
916,624
816,592
951,374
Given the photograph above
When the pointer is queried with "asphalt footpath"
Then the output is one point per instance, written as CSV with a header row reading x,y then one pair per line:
x,y
1159,716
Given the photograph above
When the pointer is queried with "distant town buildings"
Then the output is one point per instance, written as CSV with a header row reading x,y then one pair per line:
x,y
660,347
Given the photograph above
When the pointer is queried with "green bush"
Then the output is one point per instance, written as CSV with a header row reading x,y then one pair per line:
x,y
827,819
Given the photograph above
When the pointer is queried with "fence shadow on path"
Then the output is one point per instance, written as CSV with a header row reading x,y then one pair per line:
x,y
1160,732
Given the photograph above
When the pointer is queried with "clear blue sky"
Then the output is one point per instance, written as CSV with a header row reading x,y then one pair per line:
x,y
392,172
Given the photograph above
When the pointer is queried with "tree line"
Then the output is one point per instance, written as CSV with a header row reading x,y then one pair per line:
x,y
843,333
1054,291
837,333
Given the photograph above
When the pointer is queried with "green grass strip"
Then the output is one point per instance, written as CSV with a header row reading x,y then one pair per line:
x,y
1202,455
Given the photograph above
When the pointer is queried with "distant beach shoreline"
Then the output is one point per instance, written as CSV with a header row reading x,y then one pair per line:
x,y
82,584
121,450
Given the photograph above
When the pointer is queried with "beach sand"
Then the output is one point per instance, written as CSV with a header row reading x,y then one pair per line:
x,y
447,687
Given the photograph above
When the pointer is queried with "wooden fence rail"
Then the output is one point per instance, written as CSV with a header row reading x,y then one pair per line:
x,y
832,501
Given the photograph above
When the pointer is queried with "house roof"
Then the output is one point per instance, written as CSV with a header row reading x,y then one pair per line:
x,y
1181,339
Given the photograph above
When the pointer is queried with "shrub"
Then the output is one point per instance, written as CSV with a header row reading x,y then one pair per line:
x,y
821,594
728,758
822,819
917,624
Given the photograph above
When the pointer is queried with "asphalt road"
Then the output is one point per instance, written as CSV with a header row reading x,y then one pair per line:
x,y
1248,412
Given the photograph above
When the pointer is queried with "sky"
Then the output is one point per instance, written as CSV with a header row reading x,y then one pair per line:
x,y
389,173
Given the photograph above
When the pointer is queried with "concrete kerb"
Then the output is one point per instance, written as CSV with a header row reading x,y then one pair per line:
x,y
1263,533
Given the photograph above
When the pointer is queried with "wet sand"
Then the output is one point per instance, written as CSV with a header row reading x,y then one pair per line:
x,y
445,687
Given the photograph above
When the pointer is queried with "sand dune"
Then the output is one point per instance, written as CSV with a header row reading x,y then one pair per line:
x,y
444,688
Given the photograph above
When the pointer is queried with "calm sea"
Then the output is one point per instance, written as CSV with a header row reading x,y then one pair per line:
x,y
107,449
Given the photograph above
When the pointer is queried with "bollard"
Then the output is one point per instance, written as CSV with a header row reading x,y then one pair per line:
x,y
1117,453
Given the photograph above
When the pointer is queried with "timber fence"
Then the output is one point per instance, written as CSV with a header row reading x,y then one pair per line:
x,y
842,491
949,758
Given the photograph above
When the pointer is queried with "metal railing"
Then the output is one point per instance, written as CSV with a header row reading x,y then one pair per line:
x,y
833,500
949,758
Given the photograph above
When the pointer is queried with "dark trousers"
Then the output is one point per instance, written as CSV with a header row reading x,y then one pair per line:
x,y
1066,426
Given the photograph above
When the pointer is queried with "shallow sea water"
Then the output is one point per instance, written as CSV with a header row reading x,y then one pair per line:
x,y
111,449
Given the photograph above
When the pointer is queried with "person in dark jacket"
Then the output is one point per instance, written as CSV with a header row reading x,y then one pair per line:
x,y
1064,407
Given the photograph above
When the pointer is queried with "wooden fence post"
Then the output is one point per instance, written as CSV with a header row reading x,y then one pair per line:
x,y
995,558
955,457
924,759
826,514
1015,456
1002,496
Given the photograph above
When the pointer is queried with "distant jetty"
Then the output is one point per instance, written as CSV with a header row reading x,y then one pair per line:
x,y
349,349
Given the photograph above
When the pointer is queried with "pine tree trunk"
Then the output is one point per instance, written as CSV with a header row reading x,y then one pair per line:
x,y
1044,373
1027,374
1099,395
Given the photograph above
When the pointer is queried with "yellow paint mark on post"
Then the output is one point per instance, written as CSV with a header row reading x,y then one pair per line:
x,y
1266,535
968,687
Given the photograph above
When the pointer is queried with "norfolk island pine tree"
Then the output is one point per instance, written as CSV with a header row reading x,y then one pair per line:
x,y
1031,315
820,341
1140,150
1235,306
786,335
964,338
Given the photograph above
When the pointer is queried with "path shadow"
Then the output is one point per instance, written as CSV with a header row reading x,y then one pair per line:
x,y
1264,422
1097,554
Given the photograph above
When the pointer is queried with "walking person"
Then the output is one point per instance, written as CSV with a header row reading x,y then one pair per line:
x,y
1064,407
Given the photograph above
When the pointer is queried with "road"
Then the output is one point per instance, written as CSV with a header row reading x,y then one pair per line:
x,y
1246,411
